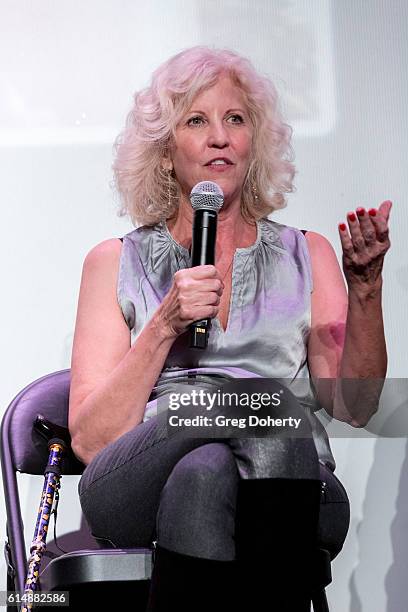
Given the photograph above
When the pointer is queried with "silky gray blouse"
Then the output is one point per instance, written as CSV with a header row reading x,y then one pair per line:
x,y
269,318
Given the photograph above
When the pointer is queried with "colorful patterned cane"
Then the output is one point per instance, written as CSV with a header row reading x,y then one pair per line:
x,y
58,441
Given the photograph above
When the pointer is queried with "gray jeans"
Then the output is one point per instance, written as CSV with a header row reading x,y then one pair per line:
x,y
182,491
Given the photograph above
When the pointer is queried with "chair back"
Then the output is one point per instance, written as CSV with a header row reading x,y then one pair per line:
x,y
23,450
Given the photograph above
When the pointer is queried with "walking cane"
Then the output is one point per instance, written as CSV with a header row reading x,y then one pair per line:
x,y
58,440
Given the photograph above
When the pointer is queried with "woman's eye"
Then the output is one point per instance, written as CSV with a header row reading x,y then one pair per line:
x,y
236,119
197,120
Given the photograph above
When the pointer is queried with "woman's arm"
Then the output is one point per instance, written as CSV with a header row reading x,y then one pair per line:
x,y
346,351
111,381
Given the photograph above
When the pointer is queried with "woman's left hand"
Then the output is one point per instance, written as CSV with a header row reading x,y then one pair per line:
x,y
365,245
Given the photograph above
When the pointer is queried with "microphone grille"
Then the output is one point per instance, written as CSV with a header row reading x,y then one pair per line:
x,y
206,194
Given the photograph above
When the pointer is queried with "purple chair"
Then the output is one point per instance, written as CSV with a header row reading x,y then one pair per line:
x,y
110,575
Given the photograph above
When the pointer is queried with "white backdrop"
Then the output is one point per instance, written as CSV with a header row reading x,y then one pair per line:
x,y
68,71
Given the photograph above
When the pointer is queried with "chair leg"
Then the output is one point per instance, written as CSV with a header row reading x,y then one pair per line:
x,y
11,585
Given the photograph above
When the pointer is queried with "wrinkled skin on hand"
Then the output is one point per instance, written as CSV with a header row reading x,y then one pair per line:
x,y
365,243
194,295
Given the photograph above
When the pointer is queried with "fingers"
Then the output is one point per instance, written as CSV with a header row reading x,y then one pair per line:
x,y
210,285
345,240
355,229
199,279
380,223
194,295
366,228
205,271
385,209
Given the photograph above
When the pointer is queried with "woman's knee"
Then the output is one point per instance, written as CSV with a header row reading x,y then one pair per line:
x,y
208,472
197,504
334,519
276,457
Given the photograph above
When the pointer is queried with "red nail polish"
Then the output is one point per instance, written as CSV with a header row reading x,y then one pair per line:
x,y
351,216
372,212
360,211
342,226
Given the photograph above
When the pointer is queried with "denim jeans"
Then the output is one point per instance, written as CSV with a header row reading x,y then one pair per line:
x,y
182,491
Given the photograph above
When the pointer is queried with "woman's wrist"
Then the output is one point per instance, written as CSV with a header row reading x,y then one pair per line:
x,y
365,292
161,330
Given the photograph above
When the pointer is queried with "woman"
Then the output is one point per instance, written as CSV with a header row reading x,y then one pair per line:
x,y
279,309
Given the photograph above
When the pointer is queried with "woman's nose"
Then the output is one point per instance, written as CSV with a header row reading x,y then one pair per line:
x,y
218,136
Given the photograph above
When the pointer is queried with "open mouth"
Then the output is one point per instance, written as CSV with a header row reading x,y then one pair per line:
x,y
219,161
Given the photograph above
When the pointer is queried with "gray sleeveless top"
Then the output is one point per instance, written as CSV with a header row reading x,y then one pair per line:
x,y
269,317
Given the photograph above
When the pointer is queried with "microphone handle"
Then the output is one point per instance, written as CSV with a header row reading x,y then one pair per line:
x,y
202,253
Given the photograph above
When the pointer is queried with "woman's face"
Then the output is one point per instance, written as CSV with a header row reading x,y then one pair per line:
x,y
213,141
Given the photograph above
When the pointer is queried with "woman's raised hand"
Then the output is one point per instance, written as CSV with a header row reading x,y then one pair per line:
x,y
364,245
194,295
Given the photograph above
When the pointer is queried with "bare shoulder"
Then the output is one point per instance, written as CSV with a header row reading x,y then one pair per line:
x,y
325,265
318,243
101,264
104,252
99,278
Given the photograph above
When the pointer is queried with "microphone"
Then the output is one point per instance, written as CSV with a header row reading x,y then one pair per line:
x,y
206,198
